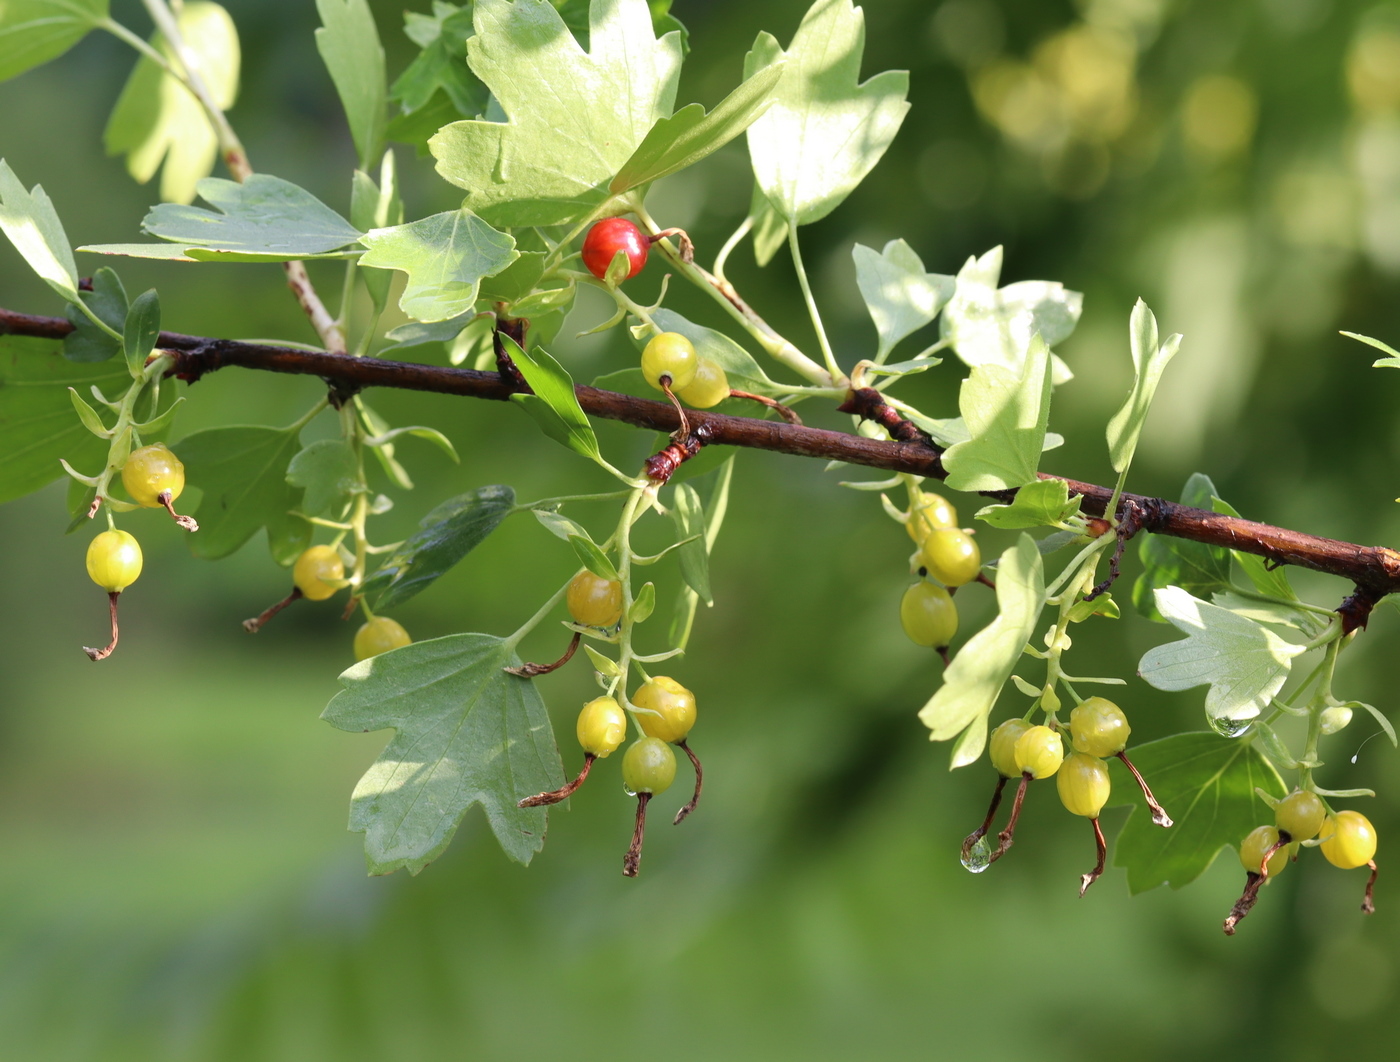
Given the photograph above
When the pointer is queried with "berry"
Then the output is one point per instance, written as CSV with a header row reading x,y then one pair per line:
x,y
1349,840
608,237
951,556
1335,718
929,615
1083,784
114,560
648,766
670,354
1300,815
1259,841
1001,749
602,724
932,512
673,704
1039,752
709,388
380,635
151,471
1099,727
318,572
593,600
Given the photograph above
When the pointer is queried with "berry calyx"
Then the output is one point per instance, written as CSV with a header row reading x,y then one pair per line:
x,y
607,238
928,615
1039,752
1262,843
1083,784
1001,748
379,635
593,600
932,512
602,726
1300,815
319,572
709,388
1098,727
951,556
667,711
1349,840
669,355
114,560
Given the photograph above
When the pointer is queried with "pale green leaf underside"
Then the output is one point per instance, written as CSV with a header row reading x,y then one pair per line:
x,y
982,667
901,297
445,257
1006,413
467,733
31,223
1149,361
34,31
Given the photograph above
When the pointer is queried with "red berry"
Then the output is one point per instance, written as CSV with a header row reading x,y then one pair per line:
x,y
608,237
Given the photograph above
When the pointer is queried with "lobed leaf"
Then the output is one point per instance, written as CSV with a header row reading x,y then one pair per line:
x,y
1199,569
441,66
32,225
1006,414
1044,503
466,733
349,45
107,300
34,31
900,296
327,473
1149,360
445,257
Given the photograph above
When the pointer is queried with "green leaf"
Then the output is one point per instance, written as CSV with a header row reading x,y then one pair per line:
x,y
243,474
516,281
1198,569
558,524
593,558
446,535
1149,360
1207,784
974,680
1044,503
1270,612
418,431
349,45
445,257
107,300
1392,362
574,117
1006,413
34,31
1380,718
1244,664
1271,581
328,473
644,604
141,331
442,63
824,131
987,325
714,512
690,134
264,216
37,424
770,229
467,733
900,296
689,516
553,405
91,421
157,120
31,223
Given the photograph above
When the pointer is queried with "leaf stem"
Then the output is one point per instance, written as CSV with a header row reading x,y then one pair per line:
x,y
832,368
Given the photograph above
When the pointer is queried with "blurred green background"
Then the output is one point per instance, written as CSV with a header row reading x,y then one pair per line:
x,y
176,881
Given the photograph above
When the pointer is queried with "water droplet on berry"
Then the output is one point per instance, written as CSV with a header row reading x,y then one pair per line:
x,y
1230,728
978,857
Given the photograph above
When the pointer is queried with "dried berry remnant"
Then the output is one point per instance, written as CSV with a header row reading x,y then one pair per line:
x,y
607,238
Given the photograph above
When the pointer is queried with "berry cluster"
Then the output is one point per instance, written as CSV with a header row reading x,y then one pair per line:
x,y
946,558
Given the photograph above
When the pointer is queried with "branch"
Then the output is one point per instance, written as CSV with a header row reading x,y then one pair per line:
x,y
1374,569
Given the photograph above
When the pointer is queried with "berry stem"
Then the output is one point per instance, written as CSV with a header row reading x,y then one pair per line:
x,y
1088,879
529,670
565,791
633,859
1368,902
699,781
102,654
683,432
1007,837
1245,903
252,626
1159,813
981,831
786,412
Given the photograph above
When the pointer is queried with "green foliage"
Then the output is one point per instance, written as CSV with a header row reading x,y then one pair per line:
x,y
141,331
34,31
1044,503
442,63
466,733
1149,361
1006,413
1208,785
901,297
327,473
349,45
107,302
593,558
688,513
554,406
31,223
1197,568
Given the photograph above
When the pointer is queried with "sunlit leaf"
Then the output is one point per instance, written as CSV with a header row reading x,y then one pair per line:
x,y
31,223
445,257
1149,360
554,406
1006,413
349,45
1044,503
901,297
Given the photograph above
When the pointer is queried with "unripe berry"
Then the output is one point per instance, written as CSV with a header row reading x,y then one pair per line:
x,y
709,388
1300,815
669,354
673,705
1253,847
648,766
149,472
928,615
951,556
1083,784
1039,752
1001,748
1349,840
932,512
602,725
593,600
608,237
318,572
114,560
1098,727
1335,718
380,635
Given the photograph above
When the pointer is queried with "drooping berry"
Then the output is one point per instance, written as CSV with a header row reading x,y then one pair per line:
x,y
709,388
648,766
1001,748
608,237
602,726
1256,844
928,614
1098,727
1348,840
319,572
593,600
951,556
667,709
379,635
114,560
1083,784
1039,752
151,471
932,512
669,354
1300,814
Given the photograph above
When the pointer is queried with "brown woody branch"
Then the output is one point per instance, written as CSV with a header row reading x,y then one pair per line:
x,y
1375,570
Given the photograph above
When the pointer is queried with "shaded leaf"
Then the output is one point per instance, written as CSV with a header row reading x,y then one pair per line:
x,y
593,558
328,474
1149,360
1198,569
715,508
442,63
34,31
900,296
445,257
142,330
107,300
1006,414
1267,580
349,45
689,516
243,474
